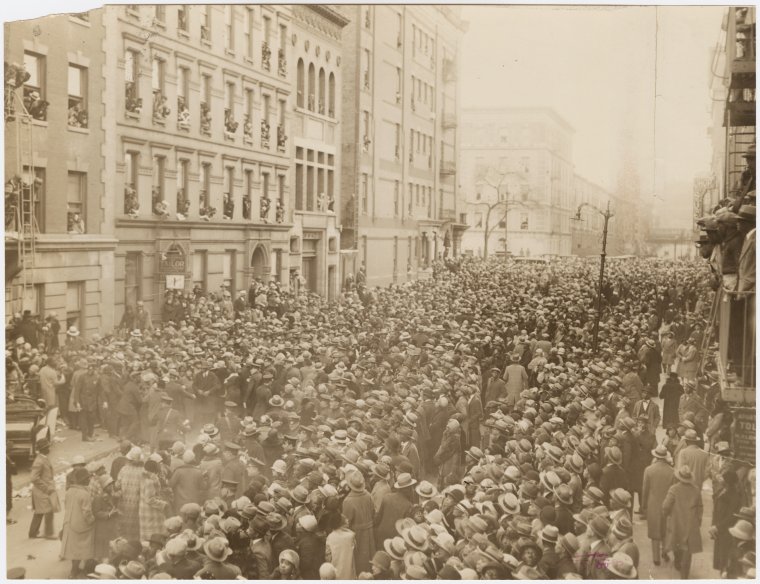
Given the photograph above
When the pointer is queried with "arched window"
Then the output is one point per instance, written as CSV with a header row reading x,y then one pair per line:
x,y
312,87
300,86
331,96
322,91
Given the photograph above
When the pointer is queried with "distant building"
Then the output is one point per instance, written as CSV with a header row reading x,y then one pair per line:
x,y
518,161
59,243
587,231
400,125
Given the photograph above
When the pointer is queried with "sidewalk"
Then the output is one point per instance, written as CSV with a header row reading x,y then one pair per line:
x,y
66,445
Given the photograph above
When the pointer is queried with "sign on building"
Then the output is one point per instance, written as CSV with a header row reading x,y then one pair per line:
x,y
744,434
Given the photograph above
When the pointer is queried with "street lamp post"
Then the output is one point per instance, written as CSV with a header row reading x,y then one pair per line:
x,y
607,215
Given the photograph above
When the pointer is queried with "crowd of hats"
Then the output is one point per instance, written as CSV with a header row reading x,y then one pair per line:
x,y
380,357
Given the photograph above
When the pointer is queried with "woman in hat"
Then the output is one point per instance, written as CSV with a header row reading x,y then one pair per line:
x,y
339,547
152,506
670,394
683,508
287,567
310,545
726,502
78,536
106,517
688,360
669,345
128,484
449,455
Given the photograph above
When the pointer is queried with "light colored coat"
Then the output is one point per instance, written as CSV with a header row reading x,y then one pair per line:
x,y
683,508
698,462
687,361
658,477
360,514
43,484
78,540
516,378
339,551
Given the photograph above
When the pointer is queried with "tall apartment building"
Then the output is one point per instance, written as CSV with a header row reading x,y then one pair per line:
x,y
517,180
59,244
734,111
317,77
197,154
400,138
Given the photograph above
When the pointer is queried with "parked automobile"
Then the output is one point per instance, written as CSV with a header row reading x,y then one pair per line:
x,y
25,423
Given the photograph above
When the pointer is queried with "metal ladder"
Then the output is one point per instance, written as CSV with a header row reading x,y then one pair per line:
x,y
25,194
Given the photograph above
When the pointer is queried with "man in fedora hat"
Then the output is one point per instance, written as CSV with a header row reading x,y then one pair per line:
x,y
207,389
645,407
169,422
394,506
215,566
614,476
381,486
694,457
45,500
746,265
360,515
495,388
683,509
516,379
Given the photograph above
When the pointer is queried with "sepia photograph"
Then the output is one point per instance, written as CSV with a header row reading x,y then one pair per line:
x,y
379,291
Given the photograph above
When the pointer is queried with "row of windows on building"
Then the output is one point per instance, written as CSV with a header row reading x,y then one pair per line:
x,y
74,309
231,22
76,201
423,43
318,98
134,272
478,220
236,204
419,197
204,122
35,91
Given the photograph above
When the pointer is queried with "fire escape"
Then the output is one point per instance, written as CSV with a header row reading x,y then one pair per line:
x,y
740,115
21,188
728,351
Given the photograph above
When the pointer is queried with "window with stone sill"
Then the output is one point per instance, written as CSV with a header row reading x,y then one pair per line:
x,y
281,138
282,64
34,87
183,18
77,102
75,199
133,101
266,54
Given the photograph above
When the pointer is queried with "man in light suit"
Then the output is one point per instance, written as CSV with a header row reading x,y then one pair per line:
x,y
516,378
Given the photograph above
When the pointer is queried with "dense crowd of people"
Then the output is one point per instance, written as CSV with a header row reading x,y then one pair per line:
x,y
462,427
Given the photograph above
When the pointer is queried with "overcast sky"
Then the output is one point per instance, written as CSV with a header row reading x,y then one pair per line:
x,y
596,67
